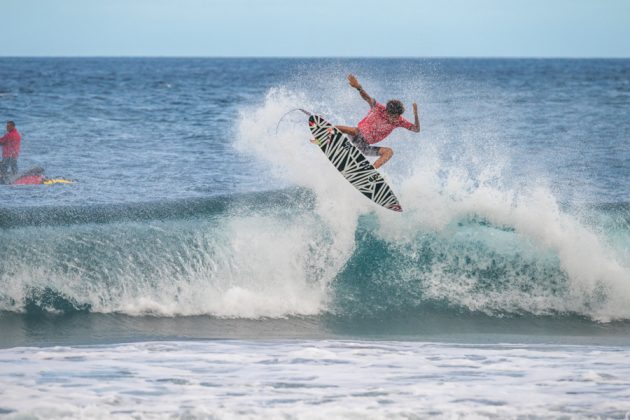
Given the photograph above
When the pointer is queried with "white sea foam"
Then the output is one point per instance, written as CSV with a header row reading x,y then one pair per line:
x,y
540,231
314,379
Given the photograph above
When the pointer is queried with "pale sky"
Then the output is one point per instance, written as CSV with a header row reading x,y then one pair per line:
x,y
330,28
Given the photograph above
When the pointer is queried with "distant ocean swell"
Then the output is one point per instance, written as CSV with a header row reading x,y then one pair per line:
x,y
276,255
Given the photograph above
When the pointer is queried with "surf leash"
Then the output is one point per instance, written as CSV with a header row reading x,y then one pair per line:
x,y
288,112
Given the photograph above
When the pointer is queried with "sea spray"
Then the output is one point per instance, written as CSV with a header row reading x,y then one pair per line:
x,y
577,272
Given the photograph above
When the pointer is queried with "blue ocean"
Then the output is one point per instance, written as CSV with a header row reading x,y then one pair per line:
x,y
210,262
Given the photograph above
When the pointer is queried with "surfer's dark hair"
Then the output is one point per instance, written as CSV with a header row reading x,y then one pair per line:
x,y
395,107
11,122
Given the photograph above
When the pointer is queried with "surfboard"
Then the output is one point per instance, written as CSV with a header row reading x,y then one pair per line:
x,y
352,164
35,176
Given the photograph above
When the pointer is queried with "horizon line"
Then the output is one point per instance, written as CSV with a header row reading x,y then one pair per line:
x,y
489,57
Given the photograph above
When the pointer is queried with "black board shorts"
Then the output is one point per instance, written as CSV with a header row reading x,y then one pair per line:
x,y
366,148
8,166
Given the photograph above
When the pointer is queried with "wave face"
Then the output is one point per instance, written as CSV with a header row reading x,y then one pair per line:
x,y
226,263
279,254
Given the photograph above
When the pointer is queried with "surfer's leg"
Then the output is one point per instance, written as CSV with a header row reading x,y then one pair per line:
x,y
385,154
13,166
4,168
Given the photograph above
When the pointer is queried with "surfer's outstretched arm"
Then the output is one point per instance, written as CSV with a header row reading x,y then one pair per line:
x,y
416,125
355,84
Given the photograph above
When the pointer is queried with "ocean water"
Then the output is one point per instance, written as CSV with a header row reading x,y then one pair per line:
x,y
210,262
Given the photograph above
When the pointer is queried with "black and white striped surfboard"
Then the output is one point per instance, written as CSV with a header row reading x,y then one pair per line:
x,y
351,163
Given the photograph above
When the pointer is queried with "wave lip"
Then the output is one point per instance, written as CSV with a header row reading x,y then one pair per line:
x,y
164,210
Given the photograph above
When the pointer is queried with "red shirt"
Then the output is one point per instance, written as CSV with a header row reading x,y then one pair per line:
x,y
10,143
376,126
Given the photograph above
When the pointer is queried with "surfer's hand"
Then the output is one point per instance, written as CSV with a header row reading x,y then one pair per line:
x,y
353,81
415,108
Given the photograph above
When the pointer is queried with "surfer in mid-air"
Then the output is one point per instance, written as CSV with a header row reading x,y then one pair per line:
x,y
378,124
